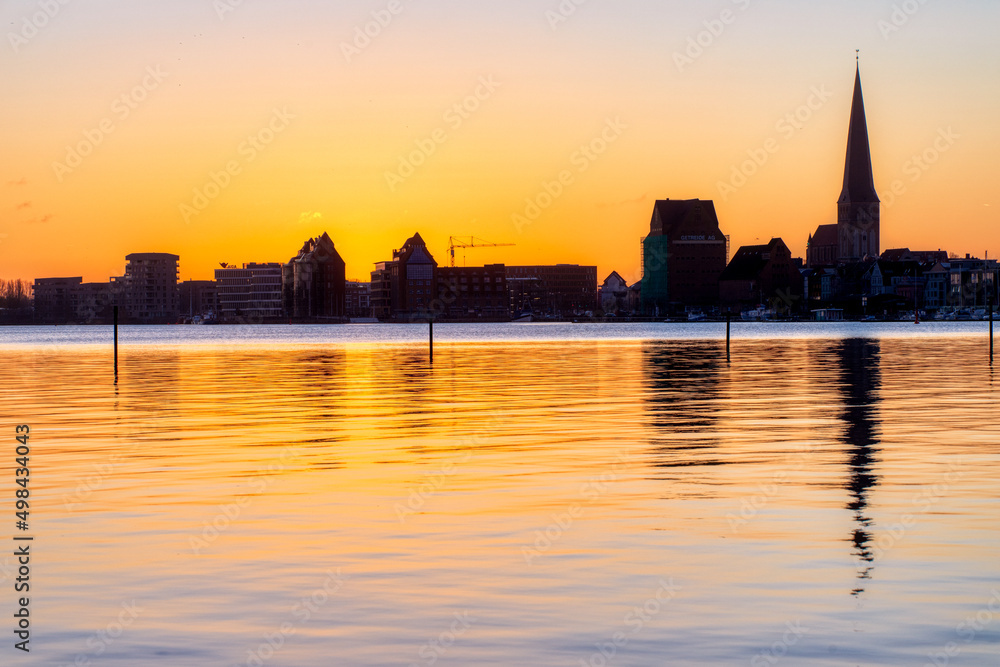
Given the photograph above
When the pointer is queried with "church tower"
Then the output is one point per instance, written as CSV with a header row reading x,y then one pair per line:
x,y
858,210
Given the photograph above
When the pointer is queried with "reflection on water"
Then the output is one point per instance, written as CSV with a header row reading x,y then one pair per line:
x,y
542,503
859,359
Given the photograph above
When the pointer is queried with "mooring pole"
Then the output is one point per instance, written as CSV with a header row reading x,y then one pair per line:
x,y
991,327
729,326
116,344
431,322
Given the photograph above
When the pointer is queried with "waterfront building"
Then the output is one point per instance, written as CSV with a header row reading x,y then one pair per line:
x,y
199,298
405,286
54,301
472,292
683,257
147,293
93,302
314,282
762,275
357,297
561,290
250,294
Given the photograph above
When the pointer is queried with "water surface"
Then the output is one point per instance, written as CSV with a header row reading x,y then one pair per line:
x,y
535,496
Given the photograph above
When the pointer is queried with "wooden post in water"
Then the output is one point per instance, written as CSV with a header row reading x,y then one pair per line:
x,y
729,326
991,328
116,344
431,322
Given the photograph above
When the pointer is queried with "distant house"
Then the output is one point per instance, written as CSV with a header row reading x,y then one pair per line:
x,y
762,275
613,294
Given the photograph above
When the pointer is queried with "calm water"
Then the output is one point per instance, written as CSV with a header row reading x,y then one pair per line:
x,y
302,496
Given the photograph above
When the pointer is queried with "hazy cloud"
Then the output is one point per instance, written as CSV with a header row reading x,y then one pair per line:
x,y
21,207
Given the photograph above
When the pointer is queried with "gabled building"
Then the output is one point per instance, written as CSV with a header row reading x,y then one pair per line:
x,y
613,294
762,275
405,286
683,257
313,282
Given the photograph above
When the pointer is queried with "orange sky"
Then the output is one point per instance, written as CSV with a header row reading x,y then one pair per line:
x,y
163,97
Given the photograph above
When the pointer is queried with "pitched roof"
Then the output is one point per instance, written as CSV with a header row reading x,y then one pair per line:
x,y
749,261
672,215
826,235
414,251
859,182
615,274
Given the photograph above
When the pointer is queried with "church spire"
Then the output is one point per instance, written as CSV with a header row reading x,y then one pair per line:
x,y
859,183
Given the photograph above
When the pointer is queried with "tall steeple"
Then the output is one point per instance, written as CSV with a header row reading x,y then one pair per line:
x,y
858,207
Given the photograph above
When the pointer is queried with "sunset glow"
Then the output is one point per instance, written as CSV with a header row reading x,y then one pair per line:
x,y
230,132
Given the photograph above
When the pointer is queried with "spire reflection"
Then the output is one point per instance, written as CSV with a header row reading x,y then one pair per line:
x,y
860,374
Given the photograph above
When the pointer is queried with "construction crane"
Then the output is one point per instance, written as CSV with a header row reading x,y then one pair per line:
x,y
471,242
